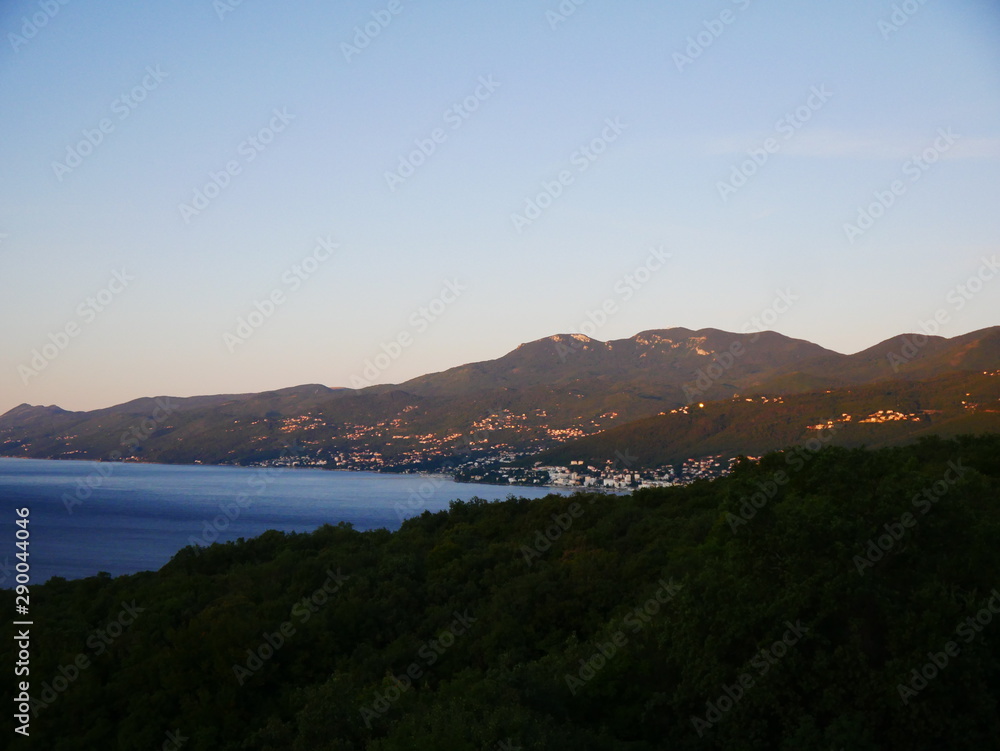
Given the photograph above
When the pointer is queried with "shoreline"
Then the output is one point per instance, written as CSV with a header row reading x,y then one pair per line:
x,y
420,473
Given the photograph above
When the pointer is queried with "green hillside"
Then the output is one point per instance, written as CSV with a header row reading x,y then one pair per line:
x,y
753,425
848,600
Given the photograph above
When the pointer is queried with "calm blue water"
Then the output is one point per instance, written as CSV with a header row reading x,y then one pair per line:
x,y
122,518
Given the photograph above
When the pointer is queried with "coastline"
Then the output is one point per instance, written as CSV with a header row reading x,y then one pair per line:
x,y
451,475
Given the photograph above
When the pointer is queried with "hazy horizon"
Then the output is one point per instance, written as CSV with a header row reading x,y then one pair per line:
x,y
390,383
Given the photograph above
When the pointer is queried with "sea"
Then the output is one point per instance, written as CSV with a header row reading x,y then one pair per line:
x,y
87,517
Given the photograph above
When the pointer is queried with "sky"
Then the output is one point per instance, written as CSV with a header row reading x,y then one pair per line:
x,y
223,197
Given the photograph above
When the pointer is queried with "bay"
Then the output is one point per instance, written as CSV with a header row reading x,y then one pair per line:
x,y
87,517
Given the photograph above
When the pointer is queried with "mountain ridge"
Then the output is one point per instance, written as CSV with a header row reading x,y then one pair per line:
x,y
533,398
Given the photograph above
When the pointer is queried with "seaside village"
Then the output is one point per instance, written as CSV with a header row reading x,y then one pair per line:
x,y
615,475
577,474
503,465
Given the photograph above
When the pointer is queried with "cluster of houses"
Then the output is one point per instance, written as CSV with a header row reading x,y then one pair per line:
x,y
613,477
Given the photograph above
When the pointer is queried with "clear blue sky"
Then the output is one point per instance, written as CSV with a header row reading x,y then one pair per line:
x,y
554,83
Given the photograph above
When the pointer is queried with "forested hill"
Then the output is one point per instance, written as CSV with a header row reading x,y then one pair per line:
x,y
841,598
874,415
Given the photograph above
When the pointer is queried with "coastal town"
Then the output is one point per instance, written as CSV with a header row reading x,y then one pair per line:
x,y
496,470
614,475
498,446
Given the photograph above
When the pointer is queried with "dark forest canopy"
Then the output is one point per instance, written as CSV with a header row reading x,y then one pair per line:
x,y
812,600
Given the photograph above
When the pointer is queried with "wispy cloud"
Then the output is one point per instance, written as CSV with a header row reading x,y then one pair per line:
x,y
826,143
853,146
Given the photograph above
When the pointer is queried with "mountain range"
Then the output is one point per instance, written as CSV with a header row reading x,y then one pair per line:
x,y
544,396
